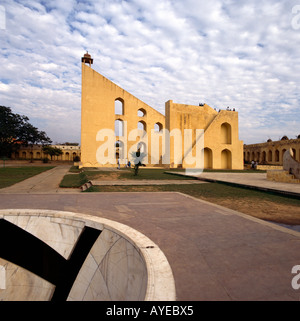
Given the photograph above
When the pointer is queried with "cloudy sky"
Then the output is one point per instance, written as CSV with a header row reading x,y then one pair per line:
x,y
241,54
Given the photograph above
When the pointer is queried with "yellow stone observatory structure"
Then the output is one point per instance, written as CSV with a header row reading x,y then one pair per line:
x,y
115,124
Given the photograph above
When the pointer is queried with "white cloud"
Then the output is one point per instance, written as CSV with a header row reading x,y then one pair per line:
x,y
226,53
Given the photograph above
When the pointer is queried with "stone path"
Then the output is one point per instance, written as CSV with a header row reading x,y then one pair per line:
x,y
46,182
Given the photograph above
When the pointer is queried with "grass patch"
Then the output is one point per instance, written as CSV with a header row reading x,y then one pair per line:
x,y
77,180
73,180
143,174
12,175
74,169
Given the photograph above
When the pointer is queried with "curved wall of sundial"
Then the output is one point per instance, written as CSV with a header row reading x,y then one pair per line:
x,y
58,256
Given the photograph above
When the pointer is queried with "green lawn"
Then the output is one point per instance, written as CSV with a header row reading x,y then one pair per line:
x,y
13,175
73,180
78,179
144,173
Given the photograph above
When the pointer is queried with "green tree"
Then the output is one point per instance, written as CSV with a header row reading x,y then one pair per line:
x,y
15,130
31,136
52,151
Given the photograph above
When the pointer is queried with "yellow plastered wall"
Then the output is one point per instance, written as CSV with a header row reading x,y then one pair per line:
x,y
222,147
98,112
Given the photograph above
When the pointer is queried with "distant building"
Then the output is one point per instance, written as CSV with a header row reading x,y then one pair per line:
x,y
35,152
271,152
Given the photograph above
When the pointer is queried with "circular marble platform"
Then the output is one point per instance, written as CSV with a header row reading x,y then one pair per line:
x,y
57,255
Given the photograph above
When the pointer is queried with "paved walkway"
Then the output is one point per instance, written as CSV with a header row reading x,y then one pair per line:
x,y
46,182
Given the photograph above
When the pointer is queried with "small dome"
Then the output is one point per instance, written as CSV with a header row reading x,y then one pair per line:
x,y
87,59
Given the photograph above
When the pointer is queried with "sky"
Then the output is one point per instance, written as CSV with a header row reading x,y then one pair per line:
x,y
241,54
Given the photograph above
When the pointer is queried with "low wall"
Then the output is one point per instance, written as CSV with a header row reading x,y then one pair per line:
x,y
120,264
269,167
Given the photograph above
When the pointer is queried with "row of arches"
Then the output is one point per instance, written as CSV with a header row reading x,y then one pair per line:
x,y
142,125
225,131
66,156
226,155
226,159
120,108
269,156
141,112
120,151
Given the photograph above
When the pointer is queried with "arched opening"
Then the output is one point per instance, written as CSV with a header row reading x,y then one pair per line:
x,y
270,156
225,133
38,155
208,159
282,153
263,157
67,156
119,128
119,106
141,112
158,127
294,153
74,155
119,148
276,155
142,126
226,159
257,156
24,155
